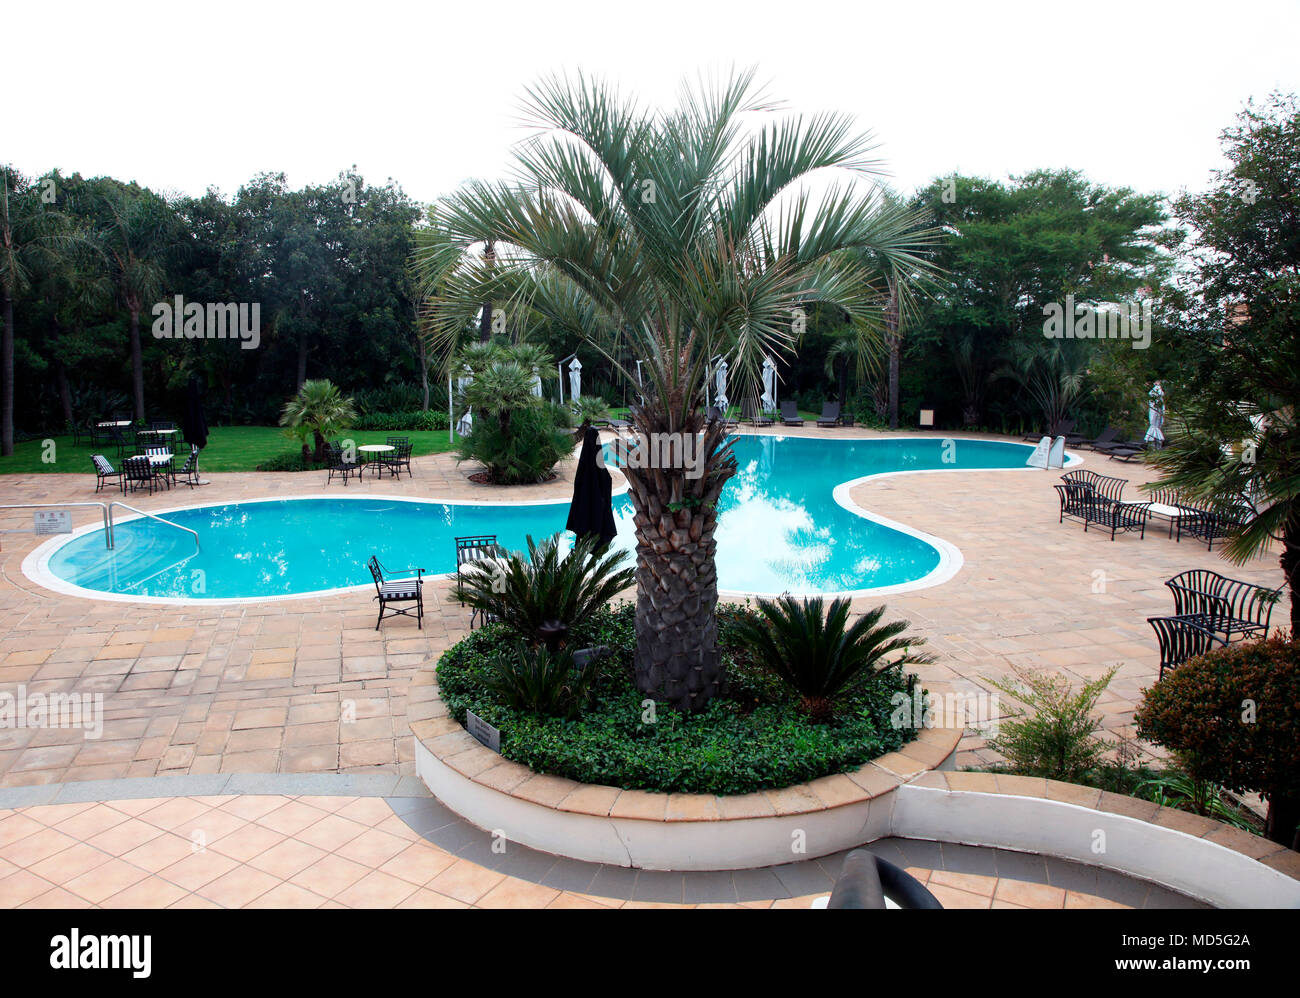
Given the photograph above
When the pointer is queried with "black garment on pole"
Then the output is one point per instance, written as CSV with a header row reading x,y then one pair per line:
x,y
591,511
195,425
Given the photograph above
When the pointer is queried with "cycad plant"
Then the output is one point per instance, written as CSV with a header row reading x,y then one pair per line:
x,y
541,680
817,653
317,412
541,597
672,238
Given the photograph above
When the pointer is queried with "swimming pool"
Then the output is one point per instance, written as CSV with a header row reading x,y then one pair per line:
x,y
786,525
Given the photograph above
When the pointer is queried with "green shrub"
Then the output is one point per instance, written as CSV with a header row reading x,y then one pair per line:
x,y
397,422
292,461
741,743
541,681
587,410
1232,716
1057,739
817,654
531,595
523,449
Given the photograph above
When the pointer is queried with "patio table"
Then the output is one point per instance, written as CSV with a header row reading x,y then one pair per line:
x,y
374,453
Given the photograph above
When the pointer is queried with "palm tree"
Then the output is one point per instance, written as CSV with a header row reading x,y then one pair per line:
x,y
1051,372
319,411
32,237
143,232
674,237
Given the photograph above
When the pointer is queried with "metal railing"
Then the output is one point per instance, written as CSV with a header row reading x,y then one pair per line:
x,y
193,533
104,508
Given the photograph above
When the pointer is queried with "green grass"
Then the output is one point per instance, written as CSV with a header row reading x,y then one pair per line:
x,y
230,448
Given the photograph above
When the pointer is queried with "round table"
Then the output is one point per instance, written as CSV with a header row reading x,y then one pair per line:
x,y
374,452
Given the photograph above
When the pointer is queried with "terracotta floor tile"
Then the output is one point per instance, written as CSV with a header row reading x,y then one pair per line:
x,y
465,881
328,876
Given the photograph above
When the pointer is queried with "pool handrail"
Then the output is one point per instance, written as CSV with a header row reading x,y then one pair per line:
x,y
152,516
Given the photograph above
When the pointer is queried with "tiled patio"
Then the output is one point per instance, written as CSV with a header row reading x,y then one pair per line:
x,y
310,686
277,851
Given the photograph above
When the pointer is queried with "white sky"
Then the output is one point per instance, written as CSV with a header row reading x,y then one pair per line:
x,y
180,96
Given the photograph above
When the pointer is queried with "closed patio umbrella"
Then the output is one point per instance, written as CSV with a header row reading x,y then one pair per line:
x,y
575,380
720,387
768,401
1156,416
194,424
592,511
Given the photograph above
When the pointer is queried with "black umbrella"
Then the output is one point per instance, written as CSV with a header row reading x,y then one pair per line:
x,y
195,424
591,511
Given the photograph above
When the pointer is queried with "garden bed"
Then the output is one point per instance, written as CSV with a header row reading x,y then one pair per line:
x,y
753,736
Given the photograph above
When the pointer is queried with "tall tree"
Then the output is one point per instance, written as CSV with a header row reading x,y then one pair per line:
x,y
674,237
142,238
1236,438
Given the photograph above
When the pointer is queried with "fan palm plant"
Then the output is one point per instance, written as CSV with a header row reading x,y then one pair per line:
x,y
672,238
813,649
318,411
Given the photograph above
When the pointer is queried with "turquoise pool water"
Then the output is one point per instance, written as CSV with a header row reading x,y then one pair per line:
x,y
780,530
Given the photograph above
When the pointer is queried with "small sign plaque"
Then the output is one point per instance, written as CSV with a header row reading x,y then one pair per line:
x,y
52,521
484,732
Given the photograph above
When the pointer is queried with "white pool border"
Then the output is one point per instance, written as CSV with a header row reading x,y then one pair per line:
x,y
35,566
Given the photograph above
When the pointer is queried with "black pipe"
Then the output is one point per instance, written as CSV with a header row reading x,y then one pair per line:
x,y
866,880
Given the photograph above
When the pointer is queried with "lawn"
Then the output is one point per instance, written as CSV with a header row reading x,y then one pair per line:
x,y
230,448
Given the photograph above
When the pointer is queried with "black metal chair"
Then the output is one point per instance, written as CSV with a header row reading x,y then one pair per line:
x,y
1212,524
137,473
104,472
469,549
400,458
397,591
1222,605
338,466
189,472
790,414
830,414
163,464
1180,639
1092,498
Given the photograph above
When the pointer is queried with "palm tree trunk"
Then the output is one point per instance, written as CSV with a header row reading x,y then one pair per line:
x,y
676,657
65,390
7,362
137,366
485,322
892,341
1291,566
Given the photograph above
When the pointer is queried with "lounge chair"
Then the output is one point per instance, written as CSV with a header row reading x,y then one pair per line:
x,y
104,472
1212,524
1181,639
404,590
830,414
1065,428
1107,437
1222,605
1092,498
790,414
749,410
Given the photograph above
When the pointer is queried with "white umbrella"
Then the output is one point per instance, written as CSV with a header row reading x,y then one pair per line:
x,y
575,380
720,387
537,384
768,401
1156,416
